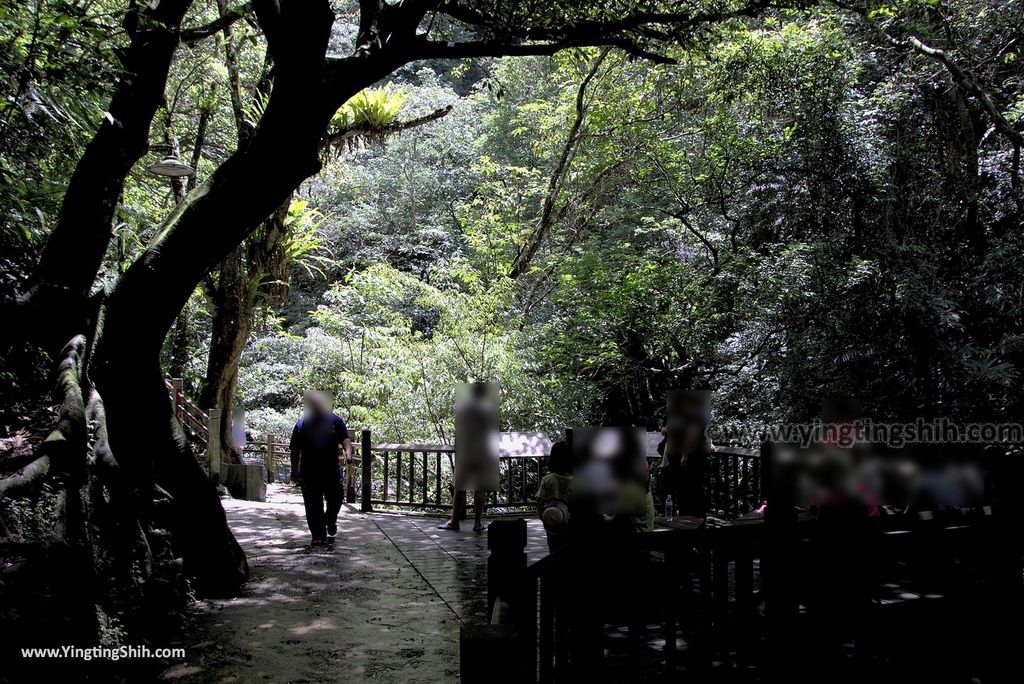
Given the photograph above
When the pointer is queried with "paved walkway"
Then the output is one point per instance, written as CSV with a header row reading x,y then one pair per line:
x,y
454,564
384,603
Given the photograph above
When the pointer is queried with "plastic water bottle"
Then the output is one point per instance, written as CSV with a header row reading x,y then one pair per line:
x,y
668,507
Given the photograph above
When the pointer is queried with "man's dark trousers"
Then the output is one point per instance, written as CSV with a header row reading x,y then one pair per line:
x,y
318,489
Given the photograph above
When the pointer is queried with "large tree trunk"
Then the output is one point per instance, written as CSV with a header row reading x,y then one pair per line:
x,y
233,304
234,300
75,249
93,554
232,296
179,343
199,234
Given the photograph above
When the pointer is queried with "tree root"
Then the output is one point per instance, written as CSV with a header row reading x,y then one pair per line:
x,y
67,441
27,479
124,534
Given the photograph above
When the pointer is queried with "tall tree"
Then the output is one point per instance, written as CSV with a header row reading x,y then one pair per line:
x,y
54,304
309,86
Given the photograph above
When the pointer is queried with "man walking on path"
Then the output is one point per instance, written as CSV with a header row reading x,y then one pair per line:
x,y
319,441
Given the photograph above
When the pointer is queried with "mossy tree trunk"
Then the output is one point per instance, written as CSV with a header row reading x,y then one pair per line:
x,y
232,303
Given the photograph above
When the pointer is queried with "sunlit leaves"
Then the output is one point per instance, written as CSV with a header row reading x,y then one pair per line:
x,y
372,107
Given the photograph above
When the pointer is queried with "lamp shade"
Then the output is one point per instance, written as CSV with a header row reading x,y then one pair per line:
x,y
172,167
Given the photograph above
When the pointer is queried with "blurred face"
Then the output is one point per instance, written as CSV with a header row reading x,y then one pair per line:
x,y
604,458
606,445
317,404
684,410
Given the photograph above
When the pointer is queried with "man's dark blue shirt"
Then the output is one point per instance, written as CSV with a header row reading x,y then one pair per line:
x,y
317,439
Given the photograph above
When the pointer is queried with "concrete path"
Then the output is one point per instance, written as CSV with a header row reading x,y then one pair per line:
x,y
383,604
454,564
353,612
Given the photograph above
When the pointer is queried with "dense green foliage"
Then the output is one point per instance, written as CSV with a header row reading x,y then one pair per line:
x,y
803,204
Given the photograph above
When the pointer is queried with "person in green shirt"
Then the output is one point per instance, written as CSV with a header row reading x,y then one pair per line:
x,y
637,505
555,495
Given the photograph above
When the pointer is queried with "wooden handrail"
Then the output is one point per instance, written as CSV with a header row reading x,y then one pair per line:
x,y
187,403
187,412
416,476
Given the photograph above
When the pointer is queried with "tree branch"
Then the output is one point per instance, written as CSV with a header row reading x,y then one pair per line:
x,y
959,76
967,82
70,260
682,214
526,254
365,130
636,21
198,33
511,40
430,49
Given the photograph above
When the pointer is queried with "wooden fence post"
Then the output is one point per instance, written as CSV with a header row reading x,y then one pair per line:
x,y
350,478
270,459
506,542
778,559
350,482
177,387
510,601
367,469
213,455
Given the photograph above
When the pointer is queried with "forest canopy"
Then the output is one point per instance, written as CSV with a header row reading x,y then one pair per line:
x,y
806,204
794,209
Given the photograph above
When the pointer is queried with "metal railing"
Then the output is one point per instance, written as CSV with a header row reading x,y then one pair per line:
x,y
420,476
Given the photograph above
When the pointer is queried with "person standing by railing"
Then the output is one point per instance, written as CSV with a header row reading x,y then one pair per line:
x,y
476,451
684,451
320,441
554,496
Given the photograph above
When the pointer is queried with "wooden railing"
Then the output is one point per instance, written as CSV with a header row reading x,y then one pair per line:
x,y
411,475
734,484
420,476
417,476
274,455
193,419
196,424
521,476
